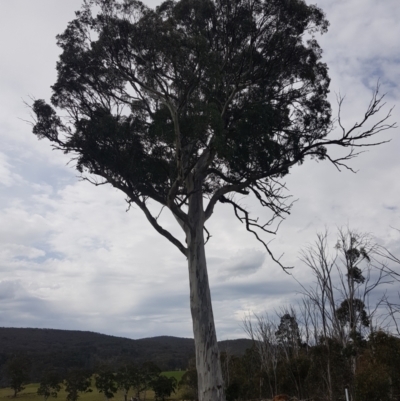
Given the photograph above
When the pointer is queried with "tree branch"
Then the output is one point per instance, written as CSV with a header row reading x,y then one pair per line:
x,y
159,229
243,216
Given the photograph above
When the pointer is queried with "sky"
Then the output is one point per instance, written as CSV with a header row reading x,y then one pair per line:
x,y
72,257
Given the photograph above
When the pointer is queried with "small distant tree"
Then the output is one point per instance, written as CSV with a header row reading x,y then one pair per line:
x,y
17,369
77,381
147,373
125,378
289,346
49,385
346,312
288,333
189,385
138,379
106,382
188,382
163,387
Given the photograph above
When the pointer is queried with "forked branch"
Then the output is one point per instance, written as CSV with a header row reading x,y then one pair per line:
x,y
252,225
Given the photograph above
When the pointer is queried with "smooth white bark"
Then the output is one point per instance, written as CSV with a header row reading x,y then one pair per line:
x,y
210,381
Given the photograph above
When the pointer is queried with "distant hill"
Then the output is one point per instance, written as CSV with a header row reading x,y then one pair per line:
x,y
64,349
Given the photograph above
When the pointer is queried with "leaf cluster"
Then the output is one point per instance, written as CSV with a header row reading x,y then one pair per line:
x,y
105,382
50,384
163,386
17,370
77,381
238,73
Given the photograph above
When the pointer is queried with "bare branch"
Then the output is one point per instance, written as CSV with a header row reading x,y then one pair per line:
x,y
208,235
243,216
159,229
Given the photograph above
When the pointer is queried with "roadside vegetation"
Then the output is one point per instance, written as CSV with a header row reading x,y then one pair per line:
x,y
342,335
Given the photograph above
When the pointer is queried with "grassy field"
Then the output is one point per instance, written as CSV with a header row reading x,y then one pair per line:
x,y
29,394
175,373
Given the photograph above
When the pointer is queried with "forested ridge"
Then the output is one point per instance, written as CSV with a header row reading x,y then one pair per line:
x,y
66,349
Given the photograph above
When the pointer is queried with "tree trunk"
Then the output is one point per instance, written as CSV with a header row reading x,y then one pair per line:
x,y
209,374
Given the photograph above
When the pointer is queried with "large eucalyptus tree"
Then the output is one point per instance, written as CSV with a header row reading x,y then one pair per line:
x,y
189,104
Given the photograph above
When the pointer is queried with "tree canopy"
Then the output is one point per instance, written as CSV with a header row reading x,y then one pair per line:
x,y
18,369
229,92
50,384
105,382
77,381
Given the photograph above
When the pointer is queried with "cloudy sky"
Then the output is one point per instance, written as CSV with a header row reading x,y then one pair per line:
x,y
71,257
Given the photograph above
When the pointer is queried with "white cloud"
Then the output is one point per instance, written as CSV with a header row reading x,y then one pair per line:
x,y
7,177
21,227
243,262
9,289
21,251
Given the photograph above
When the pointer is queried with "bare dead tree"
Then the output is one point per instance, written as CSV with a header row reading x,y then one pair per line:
x,y
391,266
263,334
345,291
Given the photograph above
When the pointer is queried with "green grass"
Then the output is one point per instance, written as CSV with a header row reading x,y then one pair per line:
x,y
29,394
175,373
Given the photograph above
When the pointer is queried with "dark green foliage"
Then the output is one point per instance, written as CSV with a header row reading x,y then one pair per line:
x,y
77,381
125,378
233,391
292,374
163,387
372,383
288,331
328,350
355,255
355,274
189,384
147,374
379,366
206,58
17,370
139,379
357,308
49,385
242,375
304,373
105,382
